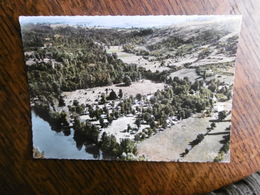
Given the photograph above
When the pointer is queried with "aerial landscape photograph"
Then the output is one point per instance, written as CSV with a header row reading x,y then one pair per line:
x,y
131,88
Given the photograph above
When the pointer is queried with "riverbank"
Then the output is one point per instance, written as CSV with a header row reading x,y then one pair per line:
x,y
56,145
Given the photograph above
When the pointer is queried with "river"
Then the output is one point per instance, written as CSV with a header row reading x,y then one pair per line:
x,y
57,145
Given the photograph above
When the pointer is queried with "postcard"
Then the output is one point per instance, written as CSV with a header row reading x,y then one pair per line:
x,y
131,88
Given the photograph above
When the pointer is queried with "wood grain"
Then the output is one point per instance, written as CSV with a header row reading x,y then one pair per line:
x,y
20,174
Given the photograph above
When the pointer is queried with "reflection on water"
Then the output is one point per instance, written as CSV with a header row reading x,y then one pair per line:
x,y
60,145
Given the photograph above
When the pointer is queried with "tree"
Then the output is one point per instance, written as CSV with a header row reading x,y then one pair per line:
x,y
128,146
80,109
147,117
222,115
176,79
77,124
112,95
195,86
212,87
120,94
138,97
114,55
153,100
186,79
198,139
63,119
75,102
181,114
109,145
91,112
61,101
127,80
138,137
229,95
94,132
200,105
101,121
129,128
110,119
163,123
213,125
168,110
104,141
107,142
179,89
138,122
123,112
103,99
152,124
98,113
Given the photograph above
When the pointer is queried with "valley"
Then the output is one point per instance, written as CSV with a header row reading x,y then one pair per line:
x,y
148,94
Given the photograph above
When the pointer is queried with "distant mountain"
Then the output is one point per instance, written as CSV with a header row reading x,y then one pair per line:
x,y
190,29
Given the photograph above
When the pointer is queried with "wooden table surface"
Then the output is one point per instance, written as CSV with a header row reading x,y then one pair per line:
x,y
20,174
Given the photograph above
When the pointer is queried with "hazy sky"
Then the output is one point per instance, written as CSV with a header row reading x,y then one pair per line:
x,y
118,21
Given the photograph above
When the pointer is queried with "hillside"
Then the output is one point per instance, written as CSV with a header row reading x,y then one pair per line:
x,y
121,88
190,44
